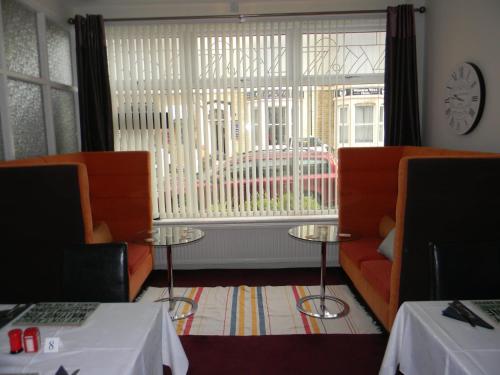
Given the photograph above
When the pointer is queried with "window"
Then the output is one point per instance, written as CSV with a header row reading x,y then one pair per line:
x,y
343,125
37,93
276,124
253,103
217,114
363,131
381,125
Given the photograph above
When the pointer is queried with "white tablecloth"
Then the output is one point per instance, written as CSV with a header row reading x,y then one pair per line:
x,y
423,341
118,338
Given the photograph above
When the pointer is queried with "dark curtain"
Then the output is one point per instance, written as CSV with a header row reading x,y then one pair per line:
x,y
93,84
401,118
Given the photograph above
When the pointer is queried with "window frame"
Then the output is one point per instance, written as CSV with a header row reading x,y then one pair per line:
x,y
43,81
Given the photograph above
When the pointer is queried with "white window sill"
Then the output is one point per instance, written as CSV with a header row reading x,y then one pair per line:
x,y
250,220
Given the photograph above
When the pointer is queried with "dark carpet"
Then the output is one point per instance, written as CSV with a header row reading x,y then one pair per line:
x,y
288,354
250,277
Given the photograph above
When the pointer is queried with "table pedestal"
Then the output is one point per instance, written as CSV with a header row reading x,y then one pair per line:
x,y
324,313
172,300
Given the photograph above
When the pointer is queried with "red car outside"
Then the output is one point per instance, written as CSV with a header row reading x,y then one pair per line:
x,y
271,174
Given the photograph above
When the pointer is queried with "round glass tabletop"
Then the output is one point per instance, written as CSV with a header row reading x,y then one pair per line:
x,y
319,233
175,235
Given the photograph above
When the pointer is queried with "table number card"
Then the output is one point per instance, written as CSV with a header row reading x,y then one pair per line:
x,y
51,345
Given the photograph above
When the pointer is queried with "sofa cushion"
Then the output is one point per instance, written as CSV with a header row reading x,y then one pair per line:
x,y
378,274
101,233
136,255
361,250
386,248
385,226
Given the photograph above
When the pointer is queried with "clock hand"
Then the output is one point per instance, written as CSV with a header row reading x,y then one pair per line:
x,y
457,97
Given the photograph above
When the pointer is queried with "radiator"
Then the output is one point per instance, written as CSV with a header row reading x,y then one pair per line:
x,y
245,245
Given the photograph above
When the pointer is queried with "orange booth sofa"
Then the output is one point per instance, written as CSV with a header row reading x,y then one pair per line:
x,y
79,198
429,195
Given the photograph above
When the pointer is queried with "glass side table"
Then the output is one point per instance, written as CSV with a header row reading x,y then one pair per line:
x,y
325,234
171,236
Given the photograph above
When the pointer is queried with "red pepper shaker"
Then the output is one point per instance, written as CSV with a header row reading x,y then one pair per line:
x,y
15,339
31,339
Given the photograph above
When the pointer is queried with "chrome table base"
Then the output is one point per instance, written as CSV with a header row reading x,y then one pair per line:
x,y
169,236
171,306
323,313
322,298
171,299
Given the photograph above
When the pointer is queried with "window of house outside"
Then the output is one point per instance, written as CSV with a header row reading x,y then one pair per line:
x,y
256,111
343,126
381,124
276,123
363,130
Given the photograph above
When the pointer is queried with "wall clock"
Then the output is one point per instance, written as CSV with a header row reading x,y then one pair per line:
x,y
465,95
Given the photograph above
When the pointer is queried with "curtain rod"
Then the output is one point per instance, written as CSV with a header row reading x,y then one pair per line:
x,y
245,16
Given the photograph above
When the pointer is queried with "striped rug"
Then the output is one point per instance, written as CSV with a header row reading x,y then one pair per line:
x,y
263,310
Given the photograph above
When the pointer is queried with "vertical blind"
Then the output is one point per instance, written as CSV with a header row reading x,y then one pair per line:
x,y
240,118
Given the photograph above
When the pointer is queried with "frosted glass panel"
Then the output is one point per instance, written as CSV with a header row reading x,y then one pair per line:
x,y
26,119
21,46
63,108
58,46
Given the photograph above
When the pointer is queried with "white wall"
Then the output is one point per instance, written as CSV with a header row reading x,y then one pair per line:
x,y
156,8
457,31
57,10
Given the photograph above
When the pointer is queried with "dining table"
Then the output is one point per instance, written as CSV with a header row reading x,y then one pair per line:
x,y
116,339
423,341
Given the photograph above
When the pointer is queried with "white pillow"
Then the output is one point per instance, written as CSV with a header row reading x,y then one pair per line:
x,y
386,248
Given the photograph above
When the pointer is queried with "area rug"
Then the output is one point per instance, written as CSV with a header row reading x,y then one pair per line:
x,y
265,310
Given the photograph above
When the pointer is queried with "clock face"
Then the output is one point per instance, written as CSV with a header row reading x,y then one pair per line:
x,y
464,99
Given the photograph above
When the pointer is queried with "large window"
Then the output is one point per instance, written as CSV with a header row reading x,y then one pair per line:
x,y
37,91
252,124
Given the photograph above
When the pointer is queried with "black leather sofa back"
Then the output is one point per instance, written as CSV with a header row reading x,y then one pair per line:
x,y
40,214
465,270
448,200
96,273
